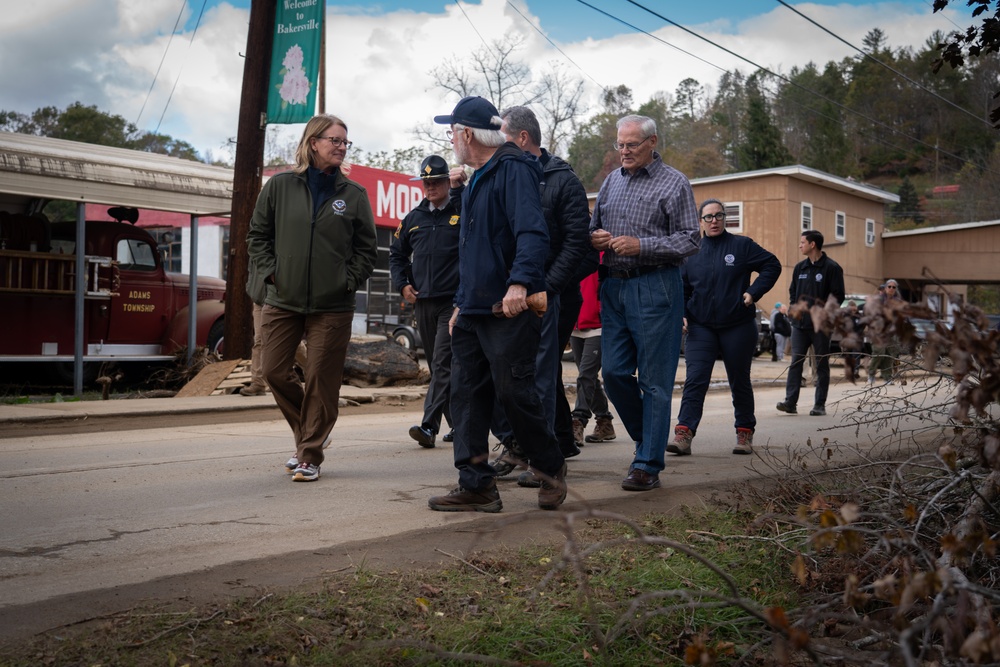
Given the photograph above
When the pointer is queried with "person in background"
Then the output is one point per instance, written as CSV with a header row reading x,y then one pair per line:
x,y
423,261
781,329
586,345
814,280
312,238
719,300
646,223
885,347
495,327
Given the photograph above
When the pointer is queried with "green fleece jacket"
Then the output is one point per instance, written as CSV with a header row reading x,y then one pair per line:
x,y
312,264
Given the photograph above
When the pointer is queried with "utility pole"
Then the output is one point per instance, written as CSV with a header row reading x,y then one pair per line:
x,y
250,138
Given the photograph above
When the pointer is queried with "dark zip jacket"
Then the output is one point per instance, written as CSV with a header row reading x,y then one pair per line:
x,y
313,256
567,214
424,252
717,276
504,238
813,283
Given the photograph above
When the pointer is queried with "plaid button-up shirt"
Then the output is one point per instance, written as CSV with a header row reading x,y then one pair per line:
x,y
655,205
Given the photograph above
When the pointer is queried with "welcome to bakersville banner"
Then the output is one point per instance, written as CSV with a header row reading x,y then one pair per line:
x,y
295,61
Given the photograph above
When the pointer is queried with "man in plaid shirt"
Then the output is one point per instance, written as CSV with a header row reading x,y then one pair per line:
x,y
646,222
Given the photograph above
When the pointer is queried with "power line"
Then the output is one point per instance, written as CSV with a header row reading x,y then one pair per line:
x,y
474,29
888,67
554,45
171,96
160,66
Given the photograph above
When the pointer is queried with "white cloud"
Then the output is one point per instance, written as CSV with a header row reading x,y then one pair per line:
x,y
105,52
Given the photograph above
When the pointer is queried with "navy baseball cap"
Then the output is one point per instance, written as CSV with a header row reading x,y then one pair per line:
x,y
432,168
476,112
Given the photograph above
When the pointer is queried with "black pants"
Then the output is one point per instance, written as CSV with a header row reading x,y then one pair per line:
x,y
802,340
495,358
432,322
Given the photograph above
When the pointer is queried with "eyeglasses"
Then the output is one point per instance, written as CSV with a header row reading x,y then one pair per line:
x,y
631,146
890,287
337,142
718,217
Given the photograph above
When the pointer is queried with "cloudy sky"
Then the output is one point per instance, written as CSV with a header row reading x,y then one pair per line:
x,y
107,52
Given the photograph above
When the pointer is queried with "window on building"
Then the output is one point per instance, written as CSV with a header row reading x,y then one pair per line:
x,y
869,232
840,225
734,217
807,216
168,244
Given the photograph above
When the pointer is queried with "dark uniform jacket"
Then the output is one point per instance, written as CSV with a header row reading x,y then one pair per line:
x,y
718,275
504,238
316,253
813,283
424,252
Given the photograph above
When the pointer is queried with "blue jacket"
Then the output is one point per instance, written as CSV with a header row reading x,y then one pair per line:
x,y
813,283
504,239
717,276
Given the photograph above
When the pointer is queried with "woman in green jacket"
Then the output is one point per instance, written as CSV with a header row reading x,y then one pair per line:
x,y
312,238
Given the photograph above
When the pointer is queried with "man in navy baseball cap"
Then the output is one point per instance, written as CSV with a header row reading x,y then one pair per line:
x,y
475,112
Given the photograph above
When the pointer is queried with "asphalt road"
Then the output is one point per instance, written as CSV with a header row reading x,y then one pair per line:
x,y
98,511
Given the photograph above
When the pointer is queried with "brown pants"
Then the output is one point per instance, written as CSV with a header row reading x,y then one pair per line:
x,y
310,410
257,355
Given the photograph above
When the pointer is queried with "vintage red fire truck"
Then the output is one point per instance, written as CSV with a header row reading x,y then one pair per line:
x,y
134,310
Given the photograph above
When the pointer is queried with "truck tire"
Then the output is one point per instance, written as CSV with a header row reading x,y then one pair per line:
x,y
216,338
405,338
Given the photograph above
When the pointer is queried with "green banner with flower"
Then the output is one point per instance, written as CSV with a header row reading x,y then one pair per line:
x,y
295,61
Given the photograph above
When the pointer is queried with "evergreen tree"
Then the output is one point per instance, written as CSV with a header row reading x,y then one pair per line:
x,y
762,147
908,207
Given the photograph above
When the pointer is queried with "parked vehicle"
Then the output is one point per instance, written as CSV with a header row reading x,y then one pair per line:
x,y
134,310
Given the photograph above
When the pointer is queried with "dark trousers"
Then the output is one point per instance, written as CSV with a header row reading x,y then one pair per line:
x,y
704,344
432,322
311,410
590,397
494,359
802,340
569,311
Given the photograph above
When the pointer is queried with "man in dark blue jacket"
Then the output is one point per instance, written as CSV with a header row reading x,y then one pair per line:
x,y
567,214
423,261
495,325
814,280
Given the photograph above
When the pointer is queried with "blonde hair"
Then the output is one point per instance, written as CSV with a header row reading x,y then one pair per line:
x,y
315,128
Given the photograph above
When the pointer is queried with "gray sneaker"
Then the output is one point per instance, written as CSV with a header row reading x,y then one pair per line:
x,y
509,460
305,472
292,463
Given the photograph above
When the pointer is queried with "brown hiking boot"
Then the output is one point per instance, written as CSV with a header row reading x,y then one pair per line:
x,y
744,441
603,431
552,492
459,499
578,427
510,459
681,446
253,390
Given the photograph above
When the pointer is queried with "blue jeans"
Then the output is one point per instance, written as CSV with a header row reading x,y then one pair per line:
x,y
641,321
704,344
494,359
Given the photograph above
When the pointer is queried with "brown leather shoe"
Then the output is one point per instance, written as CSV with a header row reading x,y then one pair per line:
x,y
552,492
458,499
640,480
